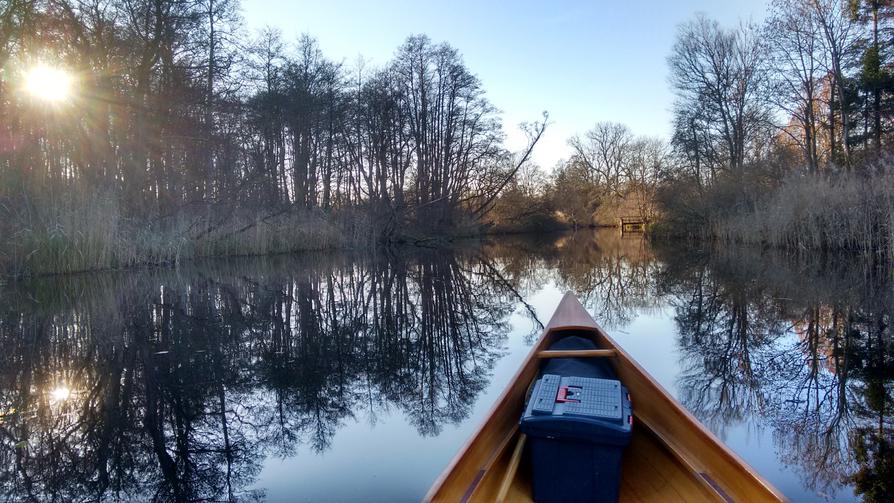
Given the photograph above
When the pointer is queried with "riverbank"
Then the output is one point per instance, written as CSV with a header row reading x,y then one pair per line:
x,y
803,213
808,213
74,235
94,234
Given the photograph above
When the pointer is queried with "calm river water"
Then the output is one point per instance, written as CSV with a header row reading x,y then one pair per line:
x,y
338,377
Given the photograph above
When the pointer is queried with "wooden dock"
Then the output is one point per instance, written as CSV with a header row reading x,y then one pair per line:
x,y
633,223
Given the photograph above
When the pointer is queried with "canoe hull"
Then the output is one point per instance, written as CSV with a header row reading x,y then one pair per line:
x,y
672,457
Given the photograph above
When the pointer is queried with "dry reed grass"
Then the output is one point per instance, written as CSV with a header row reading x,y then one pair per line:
x,y
77,235
844,212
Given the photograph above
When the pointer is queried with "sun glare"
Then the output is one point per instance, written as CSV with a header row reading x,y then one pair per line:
x,y
60,394
48,83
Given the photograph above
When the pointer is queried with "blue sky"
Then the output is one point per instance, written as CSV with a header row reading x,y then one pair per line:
x,y
583,61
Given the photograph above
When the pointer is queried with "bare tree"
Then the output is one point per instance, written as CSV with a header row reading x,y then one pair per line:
x,y
794,37
455,133
696,151
649,161
534,132
604,151
619,165
574,193
837,30
14,14
720,72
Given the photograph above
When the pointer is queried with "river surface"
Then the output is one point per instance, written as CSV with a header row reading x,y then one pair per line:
x,y
341,377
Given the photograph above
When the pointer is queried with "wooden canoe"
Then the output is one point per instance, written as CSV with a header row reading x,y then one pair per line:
x,y
671,456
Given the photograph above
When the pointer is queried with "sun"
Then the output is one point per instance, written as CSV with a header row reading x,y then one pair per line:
x,y
60,393
48,83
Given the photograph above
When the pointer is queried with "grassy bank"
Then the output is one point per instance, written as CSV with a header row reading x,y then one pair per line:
x,y
71,233
845,212
852,212
87,235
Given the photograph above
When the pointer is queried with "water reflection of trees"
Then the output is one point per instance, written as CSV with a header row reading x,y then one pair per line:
x,y
613,275
180,383
723,330
804,346
171,385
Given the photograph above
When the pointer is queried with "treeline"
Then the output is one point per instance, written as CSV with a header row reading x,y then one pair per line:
x,y
780,136
611,173
191,138
781,130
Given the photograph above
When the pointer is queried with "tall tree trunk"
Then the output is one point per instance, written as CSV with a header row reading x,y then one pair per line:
x,y
876,92
832,138
843,112
209,100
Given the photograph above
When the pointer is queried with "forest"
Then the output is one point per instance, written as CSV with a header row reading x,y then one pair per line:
x,y
184,136
181,139
782,129
780,136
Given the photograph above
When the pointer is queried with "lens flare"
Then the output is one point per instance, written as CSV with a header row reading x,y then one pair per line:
x,y
48,83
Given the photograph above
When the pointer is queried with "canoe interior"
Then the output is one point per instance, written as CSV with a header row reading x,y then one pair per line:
x,y
671,457
650,473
